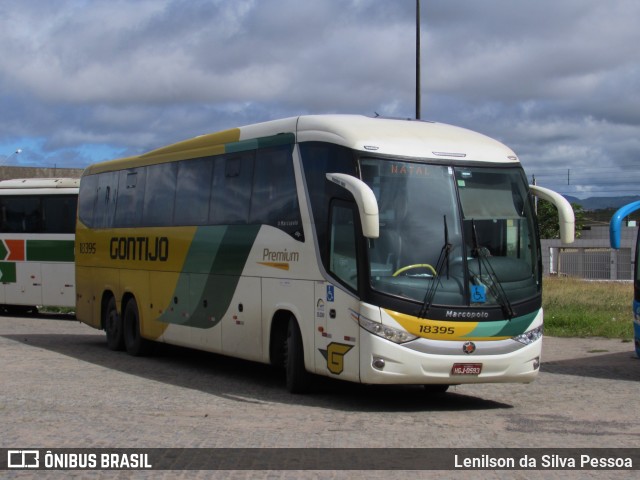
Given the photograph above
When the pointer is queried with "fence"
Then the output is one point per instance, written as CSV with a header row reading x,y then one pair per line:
x,y
590,257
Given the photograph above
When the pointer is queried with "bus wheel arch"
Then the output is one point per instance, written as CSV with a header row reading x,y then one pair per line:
x,y
134,343
112,322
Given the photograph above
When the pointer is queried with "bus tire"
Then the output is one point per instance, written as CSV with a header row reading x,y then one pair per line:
x,y
298,379
133,341
113,326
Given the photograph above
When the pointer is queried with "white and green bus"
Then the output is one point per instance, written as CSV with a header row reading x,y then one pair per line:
x,y
37,224
371,250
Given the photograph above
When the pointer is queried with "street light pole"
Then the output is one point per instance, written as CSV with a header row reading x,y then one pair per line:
x,y
418,100
6,159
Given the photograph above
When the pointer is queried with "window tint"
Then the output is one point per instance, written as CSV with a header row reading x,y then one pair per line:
x,y
87,199
59,213
231,189
192,192
160,194
21,214
275,200
318,159
38,214
248,187
342,251
130,197
106,197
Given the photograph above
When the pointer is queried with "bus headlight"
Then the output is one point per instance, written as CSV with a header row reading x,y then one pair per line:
x,y
529,337
389,333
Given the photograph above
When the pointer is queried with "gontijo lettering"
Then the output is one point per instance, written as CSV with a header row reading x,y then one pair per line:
x,y
149,249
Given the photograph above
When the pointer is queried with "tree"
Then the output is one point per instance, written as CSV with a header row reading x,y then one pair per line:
x,y
548,219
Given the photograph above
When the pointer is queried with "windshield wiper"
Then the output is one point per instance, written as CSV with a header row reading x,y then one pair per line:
x,y
443,260
494,286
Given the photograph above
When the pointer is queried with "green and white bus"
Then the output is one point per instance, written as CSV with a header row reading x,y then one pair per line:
x,y
371,250
37,225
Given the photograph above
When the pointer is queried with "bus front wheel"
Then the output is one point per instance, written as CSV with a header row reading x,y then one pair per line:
x,y
133,341
298,379
113,326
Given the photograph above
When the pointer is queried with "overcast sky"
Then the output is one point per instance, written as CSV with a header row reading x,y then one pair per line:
x,y
556,80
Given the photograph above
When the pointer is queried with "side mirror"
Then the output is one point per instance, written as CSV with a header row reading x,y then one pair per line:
x,y
565,211
365,200
615,224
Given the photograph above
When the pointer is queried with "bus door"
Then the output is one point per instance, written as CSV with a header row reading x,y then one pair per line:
x,y
337,304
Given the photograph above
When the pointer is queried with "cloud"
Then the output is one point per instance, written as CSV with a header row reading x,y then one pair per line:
x,y
556,81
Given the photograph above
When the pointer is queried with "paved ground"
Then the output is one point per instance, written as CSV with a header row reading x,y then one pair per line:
x,y
60,387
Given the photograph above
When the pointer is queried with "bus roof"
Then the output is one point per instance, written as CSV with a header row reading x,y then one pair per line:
x,y
407,138
411,138
37,183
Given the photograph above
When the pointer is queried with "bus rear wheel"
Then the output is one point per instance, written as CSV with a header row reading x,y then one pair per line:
x,y
133,341
113,326
298,379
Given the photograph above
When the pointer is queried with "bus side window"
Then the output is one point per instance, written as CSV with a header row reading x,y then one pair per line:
x,y
105,205
193,190
130,197
342,246
58,213
159,194
275,199
231,189
22,214
87,200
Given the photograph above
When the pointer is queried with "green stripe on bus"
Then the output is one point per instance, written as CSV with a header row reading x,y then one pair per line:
x,y
211,272
49,251
263,142
503,328
7,272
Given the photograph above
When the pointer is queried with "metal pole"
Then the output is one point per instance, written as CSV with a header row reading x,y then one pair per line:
x,y
418,101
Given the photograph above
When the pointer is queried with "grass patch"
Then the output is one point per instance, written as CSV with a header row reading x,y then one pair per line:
x,y
578,308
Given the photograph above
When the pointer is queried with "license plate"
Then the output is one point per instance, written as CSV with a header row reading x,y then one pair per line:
x,y
466,369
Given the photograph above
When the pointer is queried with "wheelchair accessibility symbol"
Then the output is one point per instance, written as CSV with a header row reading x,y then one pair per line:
x,y
330,293
478,294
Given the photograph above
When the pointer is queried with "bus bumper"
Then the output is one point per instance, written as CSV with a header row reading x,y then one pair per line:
x,y
385,362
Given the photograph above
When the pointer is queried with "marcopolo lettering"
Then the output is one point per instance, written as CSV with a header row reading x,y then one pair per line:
x,y
464,314
148,249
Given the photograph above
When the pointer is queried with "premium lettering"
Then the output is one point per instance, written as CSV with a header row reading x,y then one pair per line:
x,y
279,256
148,249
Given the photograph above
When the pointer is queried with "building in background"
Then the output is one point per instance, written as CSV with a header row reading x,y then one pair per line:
x,y
11,172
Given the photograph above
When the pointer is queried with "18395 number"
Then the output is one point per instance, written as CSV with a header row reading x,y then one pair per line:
x,y
88,248
437,329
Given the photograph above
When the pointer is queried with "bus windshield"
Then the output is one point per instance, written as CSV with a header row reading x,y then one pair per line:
x,y
452,236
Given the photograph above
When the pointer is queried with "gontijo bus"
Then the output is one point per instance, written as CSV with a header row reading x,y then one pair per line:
x,y
366,249
37,224
615,232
